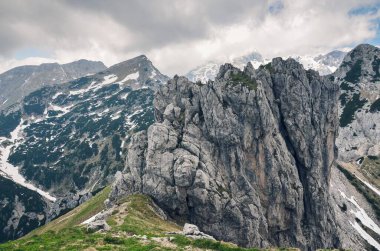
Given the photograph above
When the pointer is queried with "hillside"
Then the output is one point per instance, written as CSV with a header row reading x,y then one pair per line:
x,y
135,225
67,141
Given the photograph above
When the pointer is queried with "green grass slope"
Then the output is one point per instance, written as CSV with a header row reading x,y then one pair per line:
x,y
135,224
75,216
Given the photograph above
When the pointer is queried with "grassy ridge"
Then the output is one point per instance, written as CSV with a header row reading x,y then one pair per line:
x,y
136,226
77,215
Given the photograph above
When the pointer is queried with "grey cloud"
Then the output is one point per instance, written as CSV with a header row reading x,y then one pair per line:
x,y
192,31
162,22
153,23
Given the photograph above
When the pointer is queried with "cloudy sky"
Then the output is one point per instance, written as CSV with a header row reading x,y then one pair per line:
x,y
179,35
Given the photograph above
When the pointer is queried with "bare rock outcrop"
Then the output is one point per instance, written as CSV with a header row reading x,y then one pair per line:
x,y
247,157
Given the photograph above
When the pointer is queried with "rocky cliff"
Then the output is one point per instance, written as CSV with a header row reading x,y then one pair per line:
x,y
246,157
359,80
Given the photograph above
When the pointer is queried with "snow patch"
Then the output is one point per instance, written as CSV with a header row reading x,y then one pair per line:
x,y
56,95
133,76
109,79
81,91
361,214
11,172
365,235
124,96
64,109
115,116
129,118
153,74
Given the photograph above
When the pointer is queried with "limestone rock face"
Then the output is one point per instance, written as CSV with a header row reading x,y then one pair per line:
x,y
98,225
359,80
192,231
246,158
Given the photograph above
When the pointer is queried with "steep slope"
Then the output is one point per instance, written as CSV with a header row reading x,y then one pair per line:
x,y
21,210
137,223
73,133
246,157
68,140
359,80
20,81
356,186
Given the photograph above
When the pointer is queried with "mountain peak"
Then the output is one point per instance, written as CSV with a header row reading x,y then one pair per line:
x,y
142,67
133,62
365,47
20,81
361,65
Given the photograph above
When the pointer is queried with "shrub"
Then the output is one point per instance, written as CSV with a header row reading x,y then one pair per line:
x,y
349,110
113,240
244,79
353,75
375,106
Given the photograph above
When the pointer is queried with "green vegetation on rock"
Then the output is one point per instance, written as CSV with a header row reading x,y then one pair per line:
x,y
353,75
376,68
35,103
375,106
8,122
349,110
370,168
343,99
346,86
244,79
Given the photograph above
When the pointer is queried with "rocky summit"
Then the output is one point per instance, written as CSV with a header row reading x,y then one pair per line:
x,y
359,80
247,157
18,82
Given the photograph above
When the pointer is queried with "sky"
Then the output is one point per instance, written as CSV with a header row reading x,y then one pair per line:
x,y
178,35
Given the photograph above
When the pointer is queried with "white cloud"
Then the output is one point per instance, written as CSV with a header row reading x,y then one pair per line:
x,y
178,36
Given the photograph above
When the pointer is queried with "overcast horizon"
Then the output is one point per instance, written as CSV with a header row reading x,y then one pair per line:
x,y
177,36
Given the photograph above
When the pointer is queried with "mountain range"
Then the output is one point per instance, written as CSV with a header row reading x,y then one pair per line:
x,y
256,152
324,63
18,82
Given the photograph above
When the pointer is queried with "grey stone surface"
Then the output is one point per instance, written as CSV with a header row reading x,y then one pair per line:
x,y
97,225
359,74
192,231
246,165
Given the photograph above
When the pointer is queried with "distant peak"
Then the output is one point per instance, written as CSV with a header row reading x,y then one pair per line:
x,y
364,48
82,60
361,51
142,57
